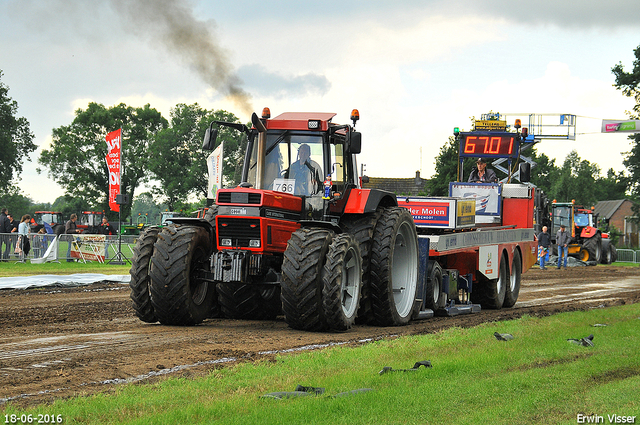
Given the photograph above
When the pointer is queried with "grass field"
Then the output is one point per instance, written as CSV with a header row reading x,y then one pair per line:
x,y
538,377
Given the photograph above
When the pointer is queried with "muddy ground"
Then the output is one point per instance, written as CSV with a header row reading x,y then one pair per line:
x,y
57,343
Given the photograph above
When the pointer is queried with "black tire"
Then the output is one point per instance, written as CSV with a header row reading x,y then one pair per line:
x,y
58,229
178,296
434,299
342,281
301,287
614,253
394,268
140,280
490,293
594,246
362,228
515,278
210,215
249,301
607,253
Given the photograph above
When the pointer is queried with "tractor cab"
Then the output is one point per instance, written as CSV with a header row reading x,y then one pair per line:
x,y
299,154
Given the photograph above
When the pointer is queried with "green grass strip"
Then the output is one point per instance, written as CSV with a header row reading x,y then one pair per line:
x,y
538,377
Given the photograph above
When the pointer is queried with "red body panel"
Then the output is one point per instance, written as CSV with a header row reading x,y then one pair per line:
x,y
516,211
357,201
300,120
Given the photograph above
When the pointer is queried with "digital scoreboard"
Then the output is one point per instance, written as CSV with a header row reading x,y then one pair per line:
x,y
489,144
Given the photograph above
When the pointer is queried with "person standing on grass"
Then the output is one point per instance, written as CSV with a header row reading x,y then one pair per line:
x,y
23,237
107,230
544,241
70,229
5,229
562,240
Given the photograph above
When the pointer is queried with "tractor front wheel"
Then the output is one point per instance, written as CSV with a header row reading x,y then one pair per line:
x,y
301,287
342,282
140,281
178,294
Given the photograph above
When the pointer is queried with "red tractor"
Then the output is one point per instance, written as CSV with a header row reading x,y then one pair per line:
x,y
90,222
588,243
297,237
300,237
53,219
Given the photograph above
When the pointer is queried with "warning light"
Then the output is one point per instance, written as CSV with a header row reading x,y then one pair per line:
x,y
355,115
266,113
518,123
456,131
525,132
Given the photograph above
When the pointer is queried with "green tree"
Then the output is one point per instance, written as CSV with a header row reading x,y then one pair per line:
x,y
16,139
145,207
16,203
612,187
178,161
629,83
76,158
577,180
447,169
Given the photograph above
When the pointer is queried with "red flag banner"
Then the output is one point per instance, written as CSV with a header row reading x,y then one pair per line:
x,y
114,149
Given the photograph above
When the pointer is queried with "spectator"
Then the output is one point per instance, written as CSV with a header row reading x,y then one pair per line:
x,y
23,246
562,240
482,174
107,230
70,228
14,229
5,229
544,241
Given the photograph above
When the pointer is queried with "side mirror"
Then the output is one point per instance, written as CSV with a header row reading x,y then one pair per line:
x,y
210,137
354,144
525,172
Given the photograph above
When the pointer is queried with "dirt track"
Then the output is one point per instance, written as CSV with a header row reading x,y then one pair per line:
x,y
58,343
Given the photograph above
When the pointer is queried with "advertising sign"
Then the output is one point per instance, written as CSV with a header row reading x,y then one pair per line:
x,y
114,152
214,165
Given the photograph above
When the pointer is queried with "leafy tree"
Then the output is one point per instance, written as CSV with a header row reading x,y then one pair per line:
x,y
76,158
613,186
446,169
178,161
16,139
577,181
628,82
68,205
16,203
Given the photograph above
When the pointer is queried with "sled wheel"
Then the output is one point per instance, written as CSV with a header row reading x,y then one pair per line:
x,y
515,277
435,299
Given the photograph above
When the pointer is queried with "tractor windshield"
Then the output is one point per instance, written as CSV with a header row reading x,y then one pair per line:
x,y
582,220
293,163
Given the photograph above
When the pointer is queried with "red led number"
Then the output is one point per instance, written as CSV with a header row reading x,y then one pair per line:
x,y
469,147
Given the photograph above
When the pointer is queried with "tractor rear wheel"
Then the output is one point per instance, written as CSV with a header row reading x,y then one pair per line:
x,y
342,281
394,268
594,246
178,294
249,301
607,252
614,253
140,281
301,287
515,277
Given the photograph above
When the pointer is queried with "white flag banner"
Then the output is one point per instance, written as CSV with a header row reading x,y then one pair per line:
x,y
620,126
214,164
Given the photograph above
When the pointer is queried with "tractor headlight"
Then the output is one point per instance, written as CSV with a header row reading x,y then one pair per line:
x,y
225,242
254,243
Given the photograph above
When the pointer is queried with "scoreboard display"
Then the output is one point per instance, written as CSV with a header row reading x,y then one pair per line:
x,y
489,144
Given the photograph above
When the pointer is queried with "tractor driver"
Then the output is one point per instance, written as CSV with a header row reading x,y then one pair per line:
x,y
306,172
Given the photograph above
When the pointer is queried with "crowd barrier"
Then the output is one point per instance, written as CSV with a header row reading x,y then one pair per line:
x,y
51,248
629,255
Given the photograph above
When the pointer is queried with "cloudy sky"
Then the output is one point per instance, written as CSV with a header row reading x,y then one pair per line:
x,y
415,69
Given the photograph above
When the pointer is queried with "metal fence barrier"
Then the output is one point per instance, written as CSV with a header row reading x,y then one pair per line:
x,y
629,255
51,248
